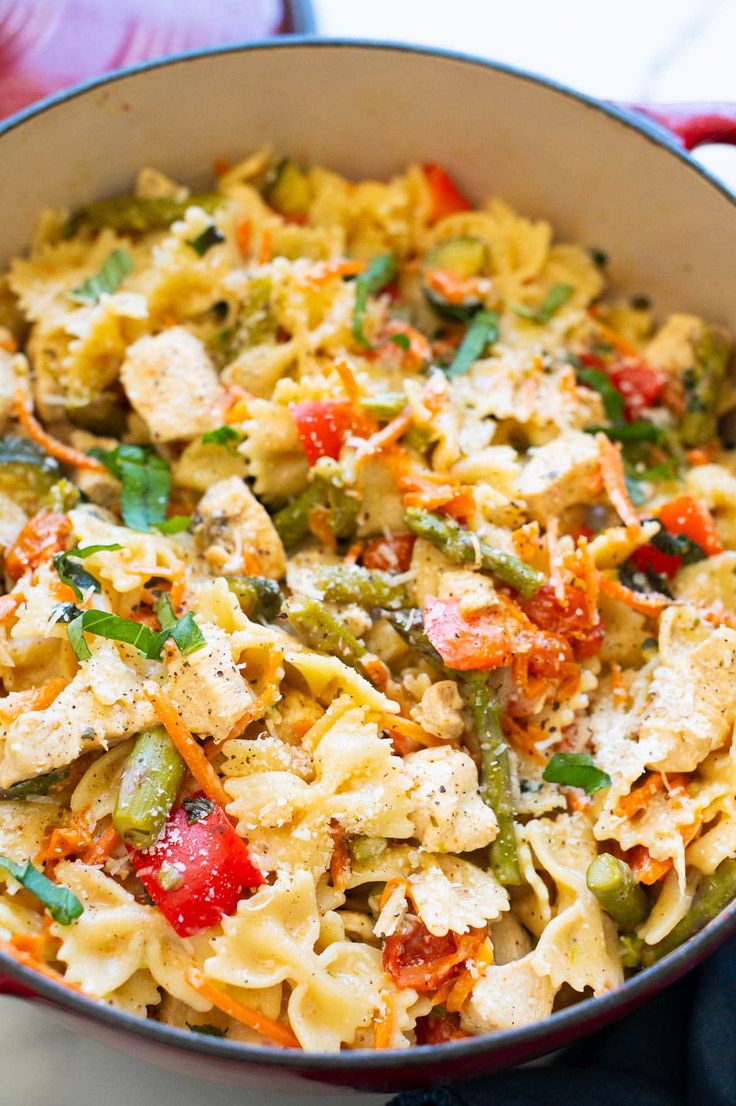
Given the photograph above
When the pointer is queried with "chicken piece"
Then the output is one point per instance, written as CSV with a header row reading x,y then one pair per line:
x,y
206,686
507,996
440,711
171,383
448,813
560,474
233,528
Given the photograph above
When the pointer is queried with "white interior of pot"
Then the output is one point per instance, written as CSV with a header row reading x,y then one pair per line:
x,y
369,111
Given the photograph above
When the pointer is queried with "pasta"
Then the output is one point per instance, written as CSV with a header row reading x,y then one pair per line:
x,y
368,632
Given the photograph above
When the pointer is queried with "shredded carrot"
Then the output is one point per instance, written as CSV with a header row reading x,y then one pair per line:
x,y
418,353
376,671
526,541
525,738
630,805
30,961
244,236
319,524
700,456
584,570
404,727
178,592
647,604
32,943
325,271
612,472
340,859
347,378
9,605
23,411
270,684
644,866
387,436
350,558
552,541
37,698
103,847
384,1022
618,685
66,840
262,1024
619,343
264,254
188,749
392,885
469,976
450,286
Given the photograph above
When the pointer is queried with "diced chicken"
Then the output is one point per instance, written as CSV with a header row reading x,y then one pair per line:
x,y
507,996
172,384
448,812
692,705
560,474
233,528
206,686
472,590
101,706
440,711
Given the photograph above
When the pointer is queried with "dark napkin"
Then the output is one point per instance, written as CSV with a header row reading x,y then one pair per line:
x,y
679,1049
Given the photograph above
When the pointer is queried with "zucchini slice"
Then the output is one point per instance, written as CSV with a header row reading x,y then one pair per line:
x,y
463,257
289,191
26,472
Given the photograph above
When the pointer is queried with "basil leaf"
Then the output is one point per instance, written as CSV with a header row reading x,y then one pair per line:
x,y
380,272
639,431
187,635
61,904
576,770
75,633
402,341
110,277
600,382
165,613
483,331
678,545
647,581
174,525
224,435
197,809
556,298
146,483
72,574
210,236
207,1030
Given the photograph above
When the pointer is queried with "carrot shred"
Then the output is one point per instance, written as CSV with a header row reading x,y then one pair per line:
x,y
450,286
384,1022
385,437
37,698
103,847
552,541
266,699
584,569
347,379
700,456
244,236
23,411
612,472
619,343
264,254
262,1024
351,557
376,671
66,840
637,799
404,727
651,605
9,605
32,943
191,753
319,524
178,592
469,976
618,686
418,353
526,541
29,961
325,271
392,885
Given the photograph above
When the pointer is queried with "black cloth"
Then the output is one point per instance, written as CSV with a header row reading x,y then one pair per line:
x,y
679,1049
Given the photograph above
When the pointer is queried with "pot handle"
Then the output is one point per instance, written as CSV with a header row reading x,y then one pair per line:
x,y
692,124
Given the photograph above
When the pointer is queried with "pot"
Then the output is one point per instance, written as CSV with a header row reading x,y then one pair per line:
x,y
605,176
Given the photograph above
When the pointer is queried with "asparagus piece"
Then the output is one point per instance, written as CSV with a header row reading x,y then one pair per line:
x,y
353,584
629,950
292,521
713,894
409,626
320,629
385,405
258,596
613,884
39,785
151,779
702,388
461,545
133,213
495,775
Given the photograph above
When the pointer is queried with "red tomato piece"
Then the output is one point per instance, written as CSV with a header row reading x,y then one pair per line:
x,y
414,957
436,1029
649,559
687,516
446,196
198,869
392,554
639,384
569,617
41,537
322,425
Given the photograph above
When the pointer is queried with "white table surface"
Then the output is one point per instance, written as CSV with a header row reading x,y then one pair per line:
x,y
634,50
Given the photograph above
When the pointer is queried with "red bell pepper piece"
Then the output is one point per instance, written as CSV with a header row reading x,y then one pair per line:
x,y
687,516
198,869
445,195
639,384
392,554
322,425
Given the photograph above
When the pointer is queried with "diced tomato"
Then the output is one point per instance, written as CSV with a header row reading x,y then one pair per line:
x,y
687,516
446,196
41,537
415,958
436,1029
391,554
569,617
639,384
649,559
198,869
492,637
322,425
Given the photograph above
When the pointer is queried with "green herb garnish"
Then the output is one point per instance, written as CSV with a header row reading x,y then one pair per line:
x,y
482,332
380,272
184,631
556,298
402,341
108,280
146,483
197,809
600,382
224,435
207,1030
174,525
209,237
72,574
61,904
576,770
639,431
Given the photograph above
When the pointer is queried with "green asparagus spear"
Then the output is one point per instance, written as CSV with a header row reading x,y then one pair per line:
x,y
320,629
623,899
292,521
495,775
385,405
365,849
148,788
461,545
702,388
353,584
39,785
133,213
714,893
258,596
409,626
629,950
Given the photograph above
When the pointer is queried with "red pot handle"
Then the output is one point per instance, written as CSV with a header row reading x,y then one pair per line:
x,y
693,124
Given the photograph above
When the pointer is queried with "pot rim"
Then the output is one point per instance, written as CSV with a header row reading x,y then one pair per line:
x,y
520,1042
